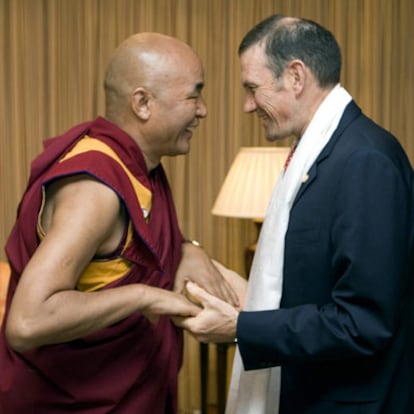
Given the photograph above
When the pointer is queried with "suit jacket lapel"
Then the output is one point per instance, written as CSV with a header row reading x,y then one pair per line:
x,y
351,112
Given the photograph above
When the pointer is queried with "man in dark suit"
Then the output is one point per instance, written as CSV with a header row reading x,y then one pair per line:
x,y
330,292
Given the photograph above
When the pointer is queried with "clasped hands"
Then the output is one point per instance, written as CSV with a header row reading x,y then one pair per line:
x,y
216,321
220,299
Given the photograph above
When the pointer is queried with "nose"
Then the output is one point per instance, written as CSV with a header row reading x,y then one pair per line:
x,y
201,108
249,104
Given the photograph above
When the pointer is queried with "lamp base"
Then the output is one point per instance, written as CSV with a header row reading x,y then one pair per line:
x,y
251,249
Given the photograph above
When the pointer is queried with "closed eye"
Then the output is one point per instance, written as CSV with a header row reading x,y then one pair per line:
x,y
251,87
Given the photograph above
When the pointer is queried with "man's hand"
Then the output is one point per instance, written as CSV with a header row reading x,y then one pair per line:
x,y
197,267
217,322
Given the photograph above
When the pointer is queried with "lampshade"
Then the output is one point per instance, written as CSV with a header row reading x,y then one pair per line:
x,y
249,183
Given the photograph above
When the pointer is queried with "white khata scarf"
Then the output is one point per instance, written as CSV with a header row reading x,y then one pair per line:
x,y
257,391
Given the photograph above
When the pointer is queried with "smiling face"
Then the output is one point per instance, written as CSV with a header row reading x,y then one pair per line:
x,y
153,87
273,100
177,104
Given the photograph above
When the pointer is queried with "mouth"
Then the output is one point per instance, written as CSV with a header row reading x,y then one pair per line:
x,y
262,115
264,120
191,128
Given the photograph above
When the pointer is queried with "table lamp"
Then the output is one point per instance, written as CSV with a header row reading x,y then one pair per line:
x,y
247,188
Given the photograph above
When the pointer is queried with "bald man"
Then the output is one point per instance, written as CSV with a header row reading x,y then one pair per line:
x,y
98,260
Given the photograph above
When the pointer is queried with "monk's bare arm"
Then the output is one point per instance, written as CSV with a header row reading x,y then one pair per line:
x,y
83,219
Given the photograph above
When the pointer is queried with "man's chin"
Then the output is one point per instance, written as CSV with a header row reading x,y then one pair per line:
x,y
274,135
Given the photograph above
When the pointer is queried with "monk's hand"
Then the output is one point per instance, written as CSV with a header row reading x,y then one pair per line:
x,y
164,302
237,282
216,322
197,266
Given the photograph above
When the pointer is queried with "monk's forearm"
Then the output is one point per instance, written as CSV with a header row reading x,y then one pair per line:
x,y
68,315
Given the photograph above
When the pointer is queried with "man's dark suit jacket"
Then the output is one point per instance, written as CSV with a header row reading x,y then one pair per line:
x,y
344,332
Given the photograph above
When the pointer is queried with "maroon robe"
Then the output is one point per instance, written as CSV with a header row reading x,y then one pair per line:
x,y
131,366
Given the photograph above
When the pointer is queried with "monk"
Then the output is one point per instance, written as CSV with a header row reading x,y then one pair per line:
x,y
97,257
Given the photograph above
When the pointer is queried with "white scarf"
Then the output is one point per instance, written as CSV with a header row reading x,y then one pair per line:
x,y
257,391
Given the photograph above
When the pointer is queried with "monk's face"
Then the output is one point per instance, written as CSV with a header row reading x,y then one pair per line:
x,y
177,104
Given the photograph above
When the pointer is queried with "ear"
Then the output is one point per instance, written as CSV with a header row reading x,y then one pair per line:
x,y
140,103
297,75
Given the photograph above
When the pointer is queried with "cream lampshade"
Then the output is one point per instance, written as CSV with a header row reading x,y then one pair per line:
x,y
247,188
